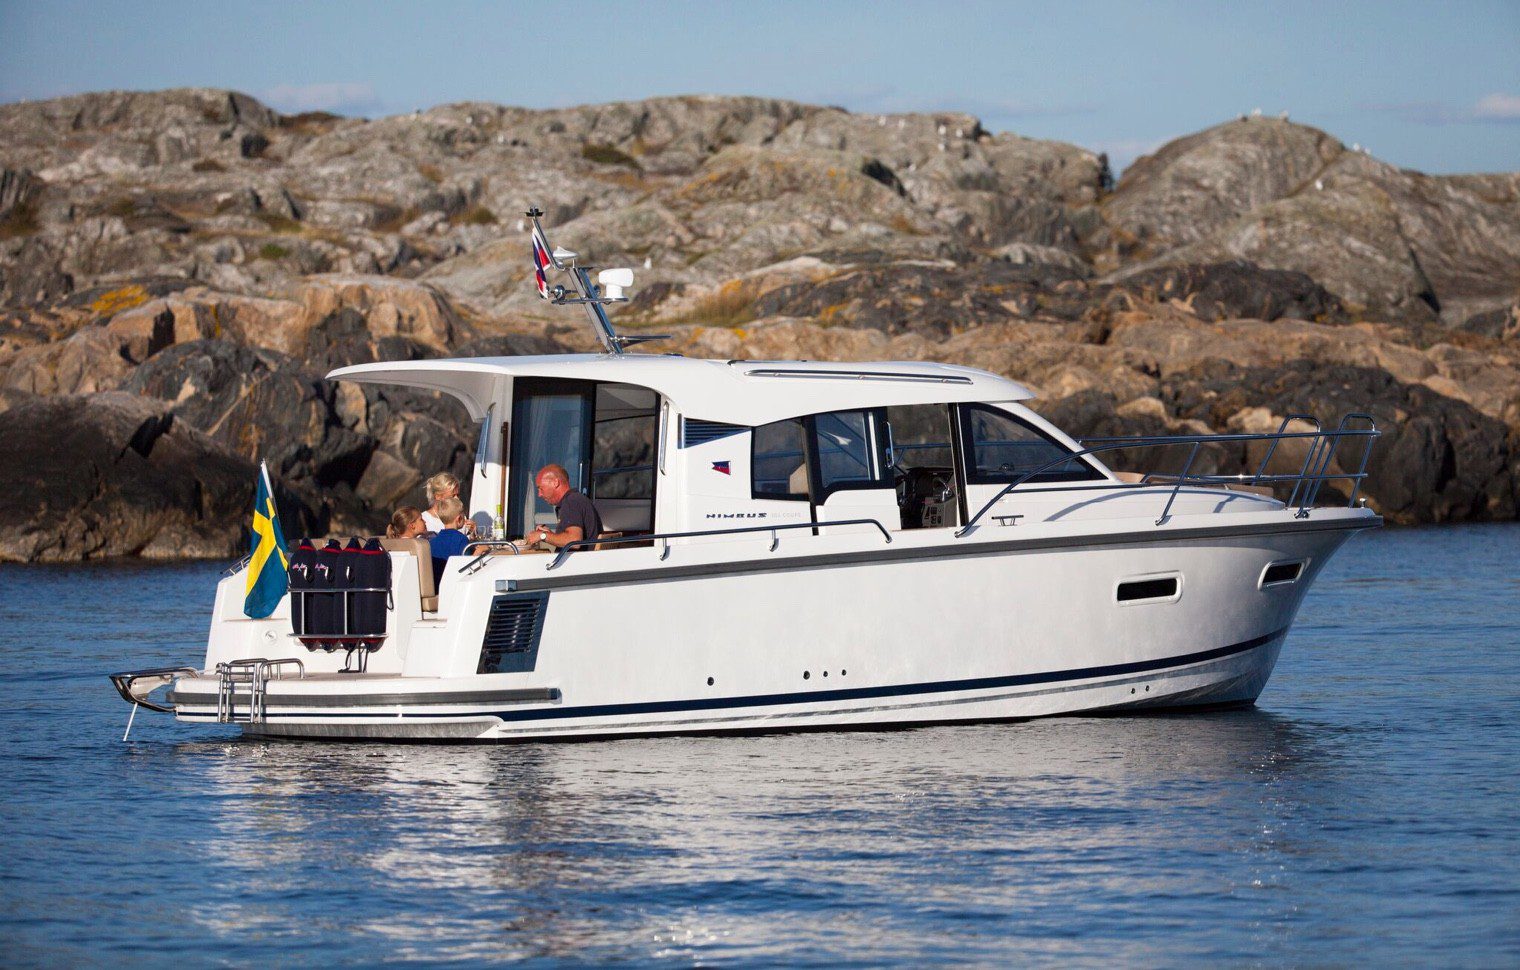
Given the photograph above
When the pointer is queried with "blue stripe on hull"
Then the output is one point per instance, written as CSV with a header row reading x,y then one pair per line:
x,y
896,690
819,696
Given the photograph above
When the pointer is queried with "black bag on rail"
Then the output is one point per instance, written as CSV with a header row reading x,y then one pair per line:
x,y
343,605
372,573
325,609
299,576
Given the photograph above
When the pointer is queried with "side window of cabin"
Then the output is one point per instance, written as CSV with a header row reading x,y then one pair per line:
x,y
622,457
1002,449
779,460
848,453
625,425
923,465
849,448
921,436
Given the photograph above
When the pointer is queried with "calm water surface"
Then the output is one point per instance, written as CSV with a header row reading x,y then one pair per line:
x,y
1364,812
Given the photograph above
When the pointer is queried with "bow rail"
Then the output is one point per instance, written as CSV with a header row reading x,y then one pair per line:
x,y
1306,482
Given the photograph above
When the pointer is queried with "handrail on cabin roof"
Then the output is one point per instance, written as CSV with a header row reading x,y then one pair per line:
x,y
582,544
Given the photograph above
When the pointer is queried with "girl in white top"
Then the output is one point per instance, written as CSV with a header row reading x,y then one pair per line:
x,y
439,487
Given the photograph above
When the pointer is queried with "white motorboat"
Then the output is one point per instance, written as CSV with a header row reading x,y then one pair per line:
x,y
791,545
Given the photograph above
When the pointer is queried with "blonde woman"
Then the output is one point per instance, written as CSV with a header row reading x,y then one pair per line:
x,y
441,486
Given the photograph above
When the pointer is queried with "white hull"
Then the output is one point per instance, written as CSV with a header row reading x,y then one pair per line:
x,y
822,632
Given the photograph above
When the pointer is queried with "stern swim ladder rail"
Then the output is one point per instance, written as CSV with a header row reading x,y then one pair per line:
x,y
1306,484
664,537
256,673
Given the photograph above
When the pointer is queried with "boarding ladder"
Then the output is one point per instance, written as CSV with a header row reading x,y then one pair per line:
x,y
255,674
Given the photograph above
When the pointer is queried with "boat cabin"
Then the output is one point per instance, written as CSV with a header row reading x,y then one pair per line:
x,y
662,443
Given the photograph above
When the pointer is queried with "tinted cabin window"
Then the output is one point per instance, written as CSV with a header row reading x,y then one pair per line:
x,y
623,432
779,460
847,454
923,465
921,436
1004,449
622,457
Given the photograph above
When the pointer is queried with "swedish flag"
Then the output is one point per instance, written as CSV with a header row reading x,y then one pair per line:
x,y
268,561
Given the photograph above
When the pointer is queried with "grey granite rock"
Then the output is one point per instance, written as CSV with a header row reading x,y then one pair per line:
x,y
209,255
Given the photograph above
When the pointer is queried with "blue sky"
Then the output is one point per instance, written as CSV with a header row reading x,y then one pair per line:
x,y
1429,86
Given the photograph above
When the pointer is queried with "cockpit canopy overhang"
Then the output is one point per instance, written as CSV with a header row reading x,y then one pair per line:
x,y
742,392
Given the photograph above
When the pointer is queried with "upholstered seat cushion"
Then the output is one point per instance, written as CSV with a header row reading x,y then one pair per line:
x,y
422,550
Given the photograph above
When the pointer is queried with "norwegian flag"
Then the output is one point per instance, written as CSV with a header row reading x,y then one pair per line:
x,y
541,261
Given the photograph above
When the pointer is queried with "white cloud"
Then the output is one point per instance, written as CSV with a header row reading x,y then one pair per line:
x,y
338,97
1498,107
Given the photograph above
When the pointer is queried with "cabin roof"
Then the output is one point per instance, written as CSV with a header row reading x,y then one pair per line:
x,y
746,392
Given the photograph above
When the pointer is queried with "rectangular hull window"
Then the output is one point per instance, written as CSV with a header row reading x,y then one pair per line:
x,y
1159,589
1281,573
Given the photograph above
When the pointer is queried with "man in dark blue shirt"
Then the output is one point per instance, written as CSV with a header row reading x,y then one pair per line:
x,y
578,518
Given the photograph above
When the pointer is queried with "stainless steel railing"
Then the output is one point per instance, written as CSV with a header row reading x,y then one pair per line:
x,y
256,673
1307,482
664,537
491,545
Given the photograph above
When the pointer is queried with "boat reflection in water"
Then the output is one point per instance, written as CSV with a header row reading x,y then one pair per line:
x,y
766,847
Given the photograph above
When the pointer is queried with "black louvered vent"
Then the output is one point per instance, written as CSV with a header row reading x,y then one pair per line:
x,y
512,633
696,432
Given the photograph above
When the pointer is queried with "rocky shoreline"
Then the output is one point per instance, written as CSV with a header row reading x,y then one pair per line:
x,y
179,269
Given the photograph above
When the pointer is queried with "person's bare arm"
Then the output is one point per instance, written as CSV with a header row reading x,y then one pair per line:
x,y
558,540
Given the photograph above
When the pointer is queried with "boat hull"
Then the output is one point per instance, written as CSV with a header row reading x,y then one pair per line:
x,y
997,632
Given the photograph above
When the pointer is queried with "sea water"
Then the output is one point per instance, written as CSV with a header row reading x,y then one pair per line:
x,y
1364,812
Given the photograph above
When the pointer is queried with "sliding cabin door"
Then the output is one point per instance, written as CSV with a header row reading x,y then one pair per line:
x,y
606,437
624,450
551,424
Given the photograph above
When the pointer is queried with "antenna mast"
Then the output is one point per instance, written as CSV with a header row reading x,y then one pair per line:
x,y
608,288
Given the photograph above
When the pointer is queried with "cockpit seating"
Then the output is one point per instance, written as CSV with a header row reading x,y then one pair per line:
x,y
423,553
